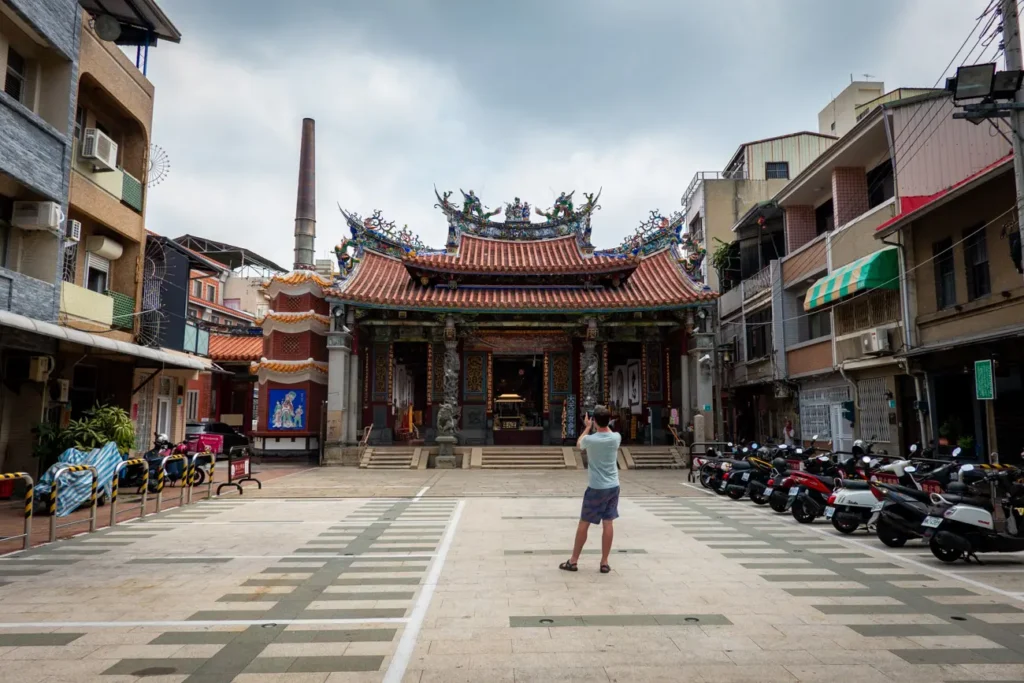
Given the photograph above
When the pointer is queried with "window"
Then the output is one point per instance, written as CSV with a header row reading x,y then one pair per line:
x,y
776,170
193,313
192,405
70,263
759,334
97,273
211,293
215,319
14,83
976,263
824,218
817,324
833,126
79,122
945,275
881,186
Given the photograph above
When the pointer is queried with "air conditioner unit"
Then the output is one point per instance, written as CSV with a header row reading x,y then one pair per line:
x,y
875,342
100,150
36,215
73,232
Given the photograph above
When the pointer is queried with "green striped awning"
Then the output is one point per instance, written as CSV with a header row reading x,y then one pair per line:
x,y
875,271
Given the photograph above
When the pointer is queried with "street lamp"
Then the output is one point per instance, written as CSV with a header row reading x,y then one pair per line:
x,y
974,81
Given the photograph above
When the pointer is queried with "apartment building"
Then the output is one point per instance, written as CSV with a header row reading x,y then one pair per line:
x,y
844,335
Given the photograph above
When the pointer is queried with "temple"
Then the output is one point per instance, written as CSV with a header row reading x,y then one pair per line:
x,y
505,335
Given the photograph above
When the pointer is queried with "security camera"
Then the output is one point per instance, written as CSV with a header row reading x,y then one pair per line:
x,y
705,358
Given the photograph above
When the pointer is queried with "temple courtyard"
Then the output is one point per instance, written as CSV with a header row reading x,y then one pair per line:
x,y
342,574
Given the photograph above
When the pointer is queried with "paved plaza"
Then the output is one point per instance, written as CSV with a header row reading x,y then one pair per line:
x,y
344,575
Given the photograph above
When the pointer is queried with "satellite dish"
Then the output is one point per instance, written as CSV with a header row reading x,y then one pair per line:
x,y
107,27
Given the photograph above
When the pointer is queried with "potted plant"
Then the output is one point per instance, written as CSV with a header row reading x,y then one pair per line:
x,y
100,425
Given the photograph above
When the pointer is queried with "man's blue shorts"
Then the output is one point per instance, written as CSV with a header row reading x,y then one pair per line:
x,y
600,504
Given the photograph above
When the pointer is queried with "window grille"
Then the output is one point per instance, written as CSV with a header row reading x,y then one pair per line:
x,y
192,405
816,410
867,310
70,263
776,170
874,410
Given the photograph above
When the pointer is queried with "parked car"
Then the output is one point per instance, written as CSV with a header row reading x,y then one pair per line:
x,y
232,437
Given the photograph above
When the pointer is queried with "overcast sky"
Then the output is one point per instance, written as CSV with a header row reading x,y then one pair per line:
x,y
514,98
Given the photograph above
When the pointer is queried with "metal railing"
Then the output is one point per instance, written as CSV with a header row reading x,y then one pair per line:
x,y
698,178
161,475
239,463
137,462
757,283
190,474
52,502
29,491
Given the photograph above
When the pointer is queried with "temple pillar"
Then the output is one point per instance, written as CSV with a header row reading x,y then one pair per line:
x,y
339,347
448,414
590,387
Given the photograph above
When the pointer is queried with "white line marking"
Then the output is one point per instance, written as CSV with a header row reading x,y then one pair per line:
x,y
422,491
902,558
297,557
400,660
186,624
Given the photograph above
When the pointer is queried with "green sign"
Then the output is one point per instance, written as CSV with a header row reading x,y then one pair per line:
x,y
984,382
707,407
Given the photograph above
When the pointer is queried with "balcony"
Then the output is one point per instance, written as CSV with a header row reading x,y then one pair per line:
x,y
124,311
197,340
32,150
730,301
86,309
118,183
757,283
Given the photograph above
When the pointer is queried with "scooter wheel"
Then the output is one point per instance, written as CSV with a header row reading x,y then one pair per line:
x,y
706,474
844,527
889,536
947,555
758,498
777,503
198,477
718,487
801,514
735,493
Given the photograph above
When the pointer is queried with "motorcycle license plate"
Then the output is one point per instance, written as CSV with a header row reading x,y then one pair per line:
x,y
767,492
931,522
829,511
746,476
793,490
724,485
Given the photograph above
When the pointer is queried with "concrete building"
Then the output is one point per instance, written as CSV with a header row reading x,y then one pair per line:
x,y
842,302
715,200
841,114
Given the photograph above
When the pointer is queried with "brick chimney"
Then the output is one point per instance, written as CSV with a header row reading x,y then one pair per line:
x,y
305,207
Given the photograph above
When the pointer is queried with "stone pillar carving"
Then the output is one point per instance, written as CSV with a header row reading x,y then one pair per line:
x,y
590,386
448,413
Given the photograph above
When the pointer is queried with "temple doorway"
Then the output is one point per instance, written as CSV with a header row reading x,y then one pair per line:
x,y
518,400
409,390
625,391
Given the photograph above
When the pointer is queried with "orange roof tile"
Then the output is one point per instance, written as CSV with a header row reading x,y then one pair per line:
x,y
287,366
658,282
482,255
299,276
227,347
297,317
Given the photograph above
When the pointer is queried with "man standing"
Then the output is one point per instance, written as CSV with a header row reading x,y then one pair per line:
x,y
601,499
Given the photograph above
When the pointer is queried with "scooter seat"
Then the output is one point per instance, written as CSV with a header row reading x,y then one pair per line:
x,y
968,500
916,494
855,484
742,465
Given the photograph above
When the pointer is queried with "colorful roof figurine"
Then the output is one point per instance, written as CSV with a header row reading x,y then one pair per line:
x,y
517,265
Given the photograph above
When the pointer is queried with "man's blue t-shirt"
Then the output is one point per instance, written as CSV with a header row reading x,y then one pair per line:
x,y
602,458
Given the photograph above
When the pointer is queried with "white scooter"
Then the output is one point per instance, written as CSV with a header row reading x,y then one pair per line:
x,y
851,506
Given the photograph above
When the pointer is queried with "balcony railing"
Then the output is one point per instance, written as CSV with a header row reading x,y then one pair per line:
x,y
698,178
757,283
124,311
197,340
131,192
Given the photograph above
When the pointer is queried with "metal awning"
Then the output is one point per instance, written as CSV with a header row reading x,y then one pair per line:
x,y
141,14
97,341
879,270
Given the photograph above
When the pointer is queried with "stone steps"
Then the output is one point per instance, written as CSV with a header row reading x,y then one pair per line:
x,y
528,457
649,457
389,459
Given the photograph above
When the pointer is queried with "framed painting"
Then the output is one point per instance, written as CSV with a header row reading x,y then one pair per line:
x,y
287,409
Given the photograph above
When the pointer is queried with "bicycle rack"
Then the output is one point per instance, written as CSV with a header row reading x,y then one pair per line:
x,y
161,473
247,470
52,502
28,507
137,462
190,474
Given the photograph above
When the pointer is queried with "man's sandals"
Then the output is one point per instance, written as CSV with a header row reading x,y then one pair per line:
x,y
572,567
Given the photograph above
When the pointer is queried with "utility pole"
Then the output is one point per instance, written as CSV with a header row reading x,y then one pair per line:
x,y
1015,62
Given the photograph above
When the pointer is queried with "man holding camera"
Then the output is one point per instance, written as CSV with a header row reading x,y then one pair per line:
x,y
601,499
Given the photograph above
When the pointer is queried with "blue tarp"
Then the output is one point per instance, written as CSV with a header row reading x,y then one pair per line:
x,y
75,486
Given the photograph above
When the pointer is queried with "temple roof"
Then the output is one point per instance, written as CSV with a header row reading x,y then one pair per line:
x,y
658,282
227,347
483,255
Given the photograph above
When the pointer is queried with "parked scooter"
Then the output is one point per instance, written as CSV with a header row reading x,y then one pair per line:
x,y
967,527
852,504
777,490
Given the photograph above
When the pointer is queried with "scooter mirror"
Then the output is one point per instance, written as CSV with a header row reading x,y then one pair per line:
x,y
754,445
956,451
783,446
799,451
910,469
746,450
729,444
865,459
967,468
913,448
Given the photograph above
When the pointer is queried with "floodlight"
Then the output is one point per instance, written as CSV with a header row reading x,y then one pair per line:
x,y
974,81
1006,84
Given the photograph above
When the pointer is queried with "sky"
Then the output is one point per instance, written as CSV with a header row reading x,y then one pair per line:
x,y
511,99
